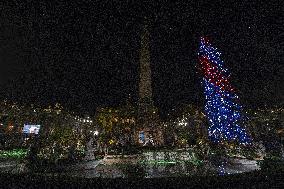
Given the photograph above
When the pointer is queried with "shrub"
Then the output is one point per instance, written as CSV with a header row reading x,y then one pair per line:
x,y
271,163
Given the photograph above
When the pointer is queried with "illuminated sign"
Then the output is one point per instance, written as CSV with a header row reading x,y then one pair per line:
x,y
31,129
141,137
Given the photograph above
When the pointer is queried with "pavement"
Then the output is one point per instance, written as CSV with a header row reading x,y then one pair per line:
x,y
234,166
12,166
104,167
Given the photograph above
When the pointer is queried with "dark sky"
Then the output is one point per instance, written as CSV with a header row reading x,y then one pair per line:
x,y
85,54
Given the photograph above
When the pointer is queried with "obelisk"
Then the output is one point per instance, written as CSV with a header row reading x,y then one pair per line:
x,y
148,119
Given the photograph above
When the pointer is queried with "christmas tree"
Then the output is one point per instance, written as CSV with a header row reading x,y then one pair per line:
x,y
222,109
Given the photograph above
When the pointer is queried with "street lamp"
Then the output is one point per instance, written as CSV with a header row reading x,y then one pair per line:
x,y
96,133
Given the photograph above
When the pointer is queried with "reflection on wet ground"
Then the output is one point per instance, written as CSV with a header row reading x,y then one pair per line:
x,y
149,165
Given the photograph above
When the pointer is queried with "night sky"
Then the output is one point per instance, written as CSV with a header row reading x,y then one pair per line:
x,y
86,54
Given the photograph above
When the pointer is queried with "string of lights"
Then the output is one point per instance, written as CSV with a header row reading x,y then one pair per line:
x,y
222,110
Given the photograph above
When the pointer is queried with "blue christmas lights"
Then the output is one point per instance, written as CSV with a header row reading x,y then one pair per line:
x,y
223,113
